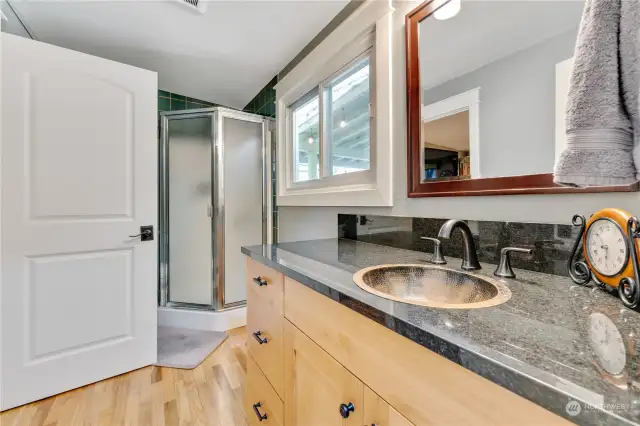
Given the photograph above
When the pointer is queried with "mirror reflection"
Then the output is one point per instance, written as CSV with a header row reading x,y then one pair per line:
x,y
494,77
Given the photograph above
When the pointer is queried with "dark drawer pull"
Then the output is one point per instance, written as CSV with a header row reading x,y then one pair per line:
x,y
259,281
257,335
260,417
345,409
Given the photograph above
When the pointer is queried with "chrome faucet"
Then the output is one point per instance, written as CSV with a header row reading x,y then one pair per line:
x,y
470,257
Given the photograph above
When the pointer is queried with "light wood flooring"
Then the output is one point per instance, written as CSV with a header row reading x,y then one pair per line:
x,y
211,394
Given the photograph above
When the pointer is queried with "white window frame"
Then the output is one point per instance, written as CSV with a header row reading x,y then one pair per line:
x,y
326,178
366,32
466,101
294,157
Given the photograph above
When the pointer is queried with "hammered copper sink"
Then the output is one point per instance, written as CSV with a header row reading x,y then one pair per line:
x,y
434,286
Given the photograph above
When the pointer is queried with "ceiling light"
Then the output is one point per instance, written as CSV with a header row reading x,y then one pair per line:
x,y
343,124
310,140
448,11
195,5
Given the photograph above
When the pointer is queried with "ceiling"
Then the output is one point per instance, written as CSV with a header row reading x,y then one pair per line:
x,y
485,31
225,55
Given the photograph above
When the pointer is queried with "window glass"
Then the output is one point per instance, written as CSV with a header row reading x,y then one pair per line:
x,y
306,131
347,120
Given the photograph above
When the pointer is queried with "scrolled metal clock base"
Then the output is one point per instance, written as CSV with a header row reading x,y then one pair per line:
x,y
628,292
578,269
628,289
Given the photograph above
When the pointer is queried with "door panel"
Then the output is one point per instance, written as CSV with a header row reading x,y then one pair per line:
x,y
53,278
243,197
316,385
78,177
103,158
190,240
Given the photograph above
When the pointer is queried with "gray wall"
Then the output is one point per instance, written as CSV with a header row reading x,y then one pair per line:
x,y
300,223
517,107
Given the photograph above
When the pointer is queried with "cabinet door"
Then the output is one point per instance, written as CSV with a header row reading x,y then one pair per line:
x,y
318,390
377,412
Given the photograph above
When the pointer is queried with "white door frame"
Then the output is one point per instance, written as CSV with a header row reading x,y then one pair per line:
x,y
466,101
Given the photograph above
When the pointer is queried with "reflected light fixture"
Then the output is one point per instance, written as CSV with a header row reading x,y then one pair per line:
x,y
343,122
448,11
310,140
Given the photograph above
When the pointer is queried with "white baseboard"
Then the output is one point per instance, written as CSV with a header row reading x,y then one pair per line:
x,y
202,320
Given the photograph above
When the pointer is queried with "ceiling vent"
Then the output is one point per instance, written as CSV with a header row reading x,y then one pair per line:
x,y
197,5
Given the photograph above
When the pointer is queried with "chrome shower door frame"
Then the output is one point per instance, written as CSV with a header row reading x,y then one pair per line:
x,y
219,199
217,115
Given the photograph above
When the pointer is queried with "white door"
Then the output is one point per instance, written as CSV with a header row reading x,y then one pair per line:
x,y
78,176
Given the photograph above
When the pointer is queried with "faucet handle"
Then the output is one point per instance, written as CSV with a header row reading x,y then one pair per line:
x,y
504,268
437,257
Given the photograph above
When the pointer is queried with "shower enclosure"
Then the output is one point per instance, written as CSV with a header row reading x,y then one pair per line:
x,y
215,182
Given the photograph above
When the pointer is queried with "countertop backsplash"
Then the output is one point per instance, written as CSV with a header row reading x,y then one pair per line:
x,y
551,243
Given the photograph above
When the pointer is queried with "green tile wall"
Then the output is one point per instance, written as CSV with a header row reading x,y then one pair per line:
x,y
168,101
264,103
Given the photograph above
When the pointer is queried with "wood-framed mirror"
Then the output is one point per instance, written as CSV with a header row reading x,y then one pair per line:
x,y
487,82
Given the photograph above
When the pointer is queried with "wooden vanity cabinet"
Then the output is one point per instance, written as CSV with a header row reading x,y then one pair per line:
x,y
264,321
379,413
264,390
318,390
338,367
263,406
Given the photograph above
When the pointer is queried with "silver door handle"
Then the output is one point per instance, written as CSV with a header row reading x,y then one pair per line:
x,y
146,233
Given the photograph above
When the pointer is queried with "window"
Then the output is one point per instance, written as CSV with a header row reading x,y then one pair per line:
x,y
338,140
334,117
347,116
306,140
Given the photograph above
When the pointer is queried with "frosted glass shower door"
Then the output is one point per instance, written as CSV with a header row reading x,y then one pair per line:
x,y
243,199
189,173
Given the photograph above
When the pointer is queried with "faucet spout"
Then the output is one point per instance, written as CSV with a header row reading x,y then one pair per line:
x,y
470,257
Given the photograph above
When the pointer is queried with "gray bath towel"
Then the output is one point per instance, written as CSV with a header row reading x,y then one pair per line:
x,y
602,109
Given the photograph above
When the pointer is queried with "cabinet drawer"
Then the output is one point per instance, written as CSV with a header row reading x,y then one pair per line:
x,y
265,347
260,396
268,283
318,390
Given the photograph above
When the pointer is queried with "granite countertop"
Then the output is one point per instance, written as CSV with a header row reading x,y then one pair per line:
x,y
535,344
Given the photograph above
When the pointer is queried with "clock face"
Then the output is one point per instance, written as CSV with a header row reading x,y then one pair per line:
x,y
607,344
607,247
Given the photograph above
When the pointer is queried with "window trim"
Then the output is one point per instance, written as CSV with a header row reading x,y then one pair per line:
x,y
311,94
366,31
326,169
